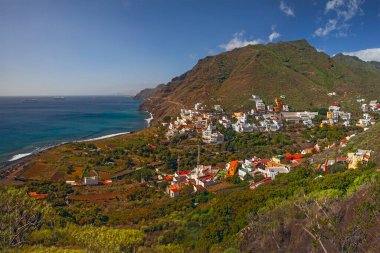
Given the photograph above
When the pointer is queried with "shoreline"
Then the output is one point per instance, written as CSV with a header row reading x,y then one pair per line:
x,y
14,164
14,161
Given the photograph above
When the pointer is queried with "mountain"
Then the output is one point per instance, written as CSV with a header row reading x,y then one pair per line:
x,y
294,69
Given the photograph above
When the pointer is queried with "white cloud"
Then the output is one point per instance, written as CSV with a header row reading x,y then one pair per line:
x,y
371,54
333,4
238,41
286,9
329,27
274,35
344,10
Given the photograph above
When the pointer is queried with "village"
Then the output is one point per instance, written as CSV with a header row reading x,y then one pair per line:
x,y
266,118
202,123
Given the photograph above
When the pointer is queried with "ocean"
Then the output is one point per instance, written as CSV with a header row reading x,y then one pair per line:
x,y
32,124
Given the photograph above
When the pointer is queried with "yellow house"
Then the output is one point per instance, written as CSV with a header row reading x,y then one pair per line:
x,y
355,161
238,114
360,157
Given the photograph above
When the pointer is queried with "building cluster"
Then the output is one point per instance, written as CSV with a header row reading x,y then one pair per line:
x,y
202,177
359,157
263,118
199,178
205,176
372,107
351,161
199,120
211,135
255,166
305,118
366,121
336,116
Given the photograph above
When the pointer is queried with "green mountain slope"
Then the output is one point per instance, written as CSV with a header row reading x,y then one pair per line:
x,y
294,69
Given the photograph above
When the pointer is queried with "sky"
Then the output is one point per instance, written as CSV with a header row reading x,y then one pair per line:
x,y
108,47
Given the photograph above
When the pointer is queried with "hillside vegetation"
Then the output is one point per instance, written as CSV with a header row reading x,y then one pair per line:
x,y
294,69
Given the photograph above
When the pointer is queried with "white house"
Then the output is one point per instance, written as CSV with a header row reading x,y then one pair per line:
x,y
273,171
334,108
210,135
218,108
365,108
172,191
94,180
198,106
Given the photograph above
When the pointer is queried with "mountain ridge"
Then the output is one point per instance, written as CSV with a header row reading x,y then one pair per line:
x,y
283,68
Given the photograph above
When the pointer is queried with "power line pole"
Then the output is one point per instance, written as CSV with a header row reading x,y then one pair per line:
x,y
178,161
198,159
199,154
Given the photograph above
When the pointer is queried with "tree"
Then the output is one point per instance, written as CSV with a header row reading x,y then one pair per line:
x,y
19,216
166,119
70,169
258,178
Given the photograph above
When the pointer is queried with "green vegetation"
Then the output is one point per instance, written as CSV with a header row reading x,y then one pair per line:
x,y
328,134
214,224
261,144
19,216
336,219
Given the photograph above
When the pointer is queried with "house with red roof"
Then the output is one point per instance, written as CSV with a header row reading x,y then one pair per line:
x,y
173,191
257,184
182,173
343,142
290,157
296,162
265,161
197,187
168,178
341,159
206,180
36,195
180,180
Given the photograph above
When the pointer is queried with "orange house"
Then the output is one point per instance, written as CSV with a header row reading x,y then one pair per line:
x,y
232,168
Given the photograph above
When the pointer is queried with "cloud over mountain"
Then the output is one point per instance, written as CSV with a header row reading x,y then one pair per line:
x,y
238,41
371,54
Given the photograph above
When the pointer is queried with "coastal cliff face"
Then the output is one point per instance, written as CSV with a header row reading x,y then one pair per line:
x,y
294,69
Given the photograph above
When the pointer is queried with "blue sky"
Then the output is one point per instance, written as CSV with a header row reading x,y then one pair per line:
x,y
102,47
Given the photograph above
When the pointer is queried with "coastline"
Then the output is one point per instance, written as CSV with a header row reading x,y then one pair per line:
x,y
20,159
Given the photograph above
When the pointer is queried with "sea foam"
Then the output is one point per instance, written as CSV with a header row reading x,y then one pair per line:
x,y
18,156
103,137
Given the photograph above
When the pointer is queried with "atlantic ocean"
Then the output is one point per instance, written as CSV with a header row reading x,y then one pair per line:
x,y
31,124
